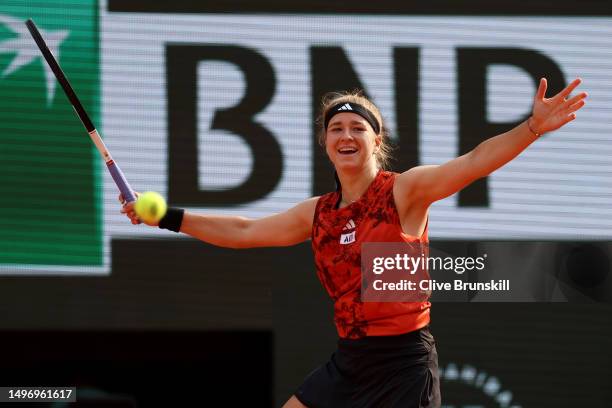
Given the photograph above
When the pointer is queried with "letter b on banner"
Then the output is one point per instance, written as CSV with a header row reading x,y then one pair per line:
x,y
182,62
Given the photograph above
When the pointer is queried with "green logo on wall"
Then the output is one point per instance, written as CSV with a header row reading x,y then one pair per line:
x,y
50,183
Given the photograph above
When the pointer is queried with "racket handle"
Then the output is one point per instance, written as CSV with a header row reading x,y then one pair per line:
x,y
121,182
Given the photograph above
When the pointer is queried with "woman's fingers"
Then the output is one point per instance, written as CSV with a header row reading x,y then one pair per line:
x,y
134,218
574,107
541,89
575,99
568,89
569,118
129,213
573,104
128,210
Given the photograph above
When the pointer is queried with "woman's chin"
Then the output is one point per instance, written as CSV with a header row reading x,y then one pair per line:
x,y
347,166
350,164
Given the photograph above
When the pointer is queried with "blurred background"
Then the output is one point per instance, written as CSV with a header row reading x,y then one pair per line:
x,y
213,104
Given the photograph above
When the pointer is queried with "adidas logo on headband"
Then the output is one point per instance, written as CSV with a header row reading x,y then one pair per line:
x,y
353,108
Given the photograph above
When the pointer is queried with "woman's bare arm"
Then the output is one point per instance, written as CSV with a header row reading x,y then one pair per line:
x,y
283,229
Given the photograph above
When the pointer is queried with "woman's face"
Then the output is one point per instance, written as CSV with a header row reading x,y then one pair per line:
x,y
351,142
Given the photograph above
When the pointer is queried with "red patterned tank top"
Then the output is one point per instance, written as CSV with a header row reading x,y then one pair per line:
x,y
337,235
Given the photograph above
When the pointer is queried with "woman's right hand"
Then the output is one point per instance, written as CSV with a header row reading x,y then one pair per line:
x,y
128,209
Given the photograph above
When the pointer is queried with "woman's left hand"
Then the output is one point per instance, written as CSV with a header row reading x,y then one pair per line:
x,y
552,113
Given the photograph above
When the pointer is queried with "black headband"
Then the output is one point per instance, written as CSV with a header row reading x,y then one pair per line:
x,y
352,107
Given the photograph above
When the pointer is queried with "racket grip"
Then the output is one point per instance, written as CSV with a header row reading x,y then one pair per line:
x,y
121,182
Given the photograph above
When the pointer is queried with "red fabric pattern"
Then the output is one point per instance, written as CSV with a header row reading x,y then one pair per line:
x,y
375,219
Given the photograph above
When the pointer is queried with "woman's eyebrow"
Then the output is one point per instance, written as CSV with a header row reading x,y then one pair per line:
x,y
352,122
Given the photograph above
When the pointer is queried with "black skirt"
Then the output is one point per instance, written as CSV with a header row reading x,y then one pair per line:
x,y
379,372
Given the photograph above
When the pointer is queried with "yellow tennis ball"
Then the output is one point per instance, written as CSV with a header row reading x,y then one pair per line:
x,y
150,207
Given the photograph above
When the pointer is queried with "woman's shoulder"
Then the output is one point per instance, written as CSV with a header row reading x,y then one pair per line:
x,y
389,175
385,181
327,201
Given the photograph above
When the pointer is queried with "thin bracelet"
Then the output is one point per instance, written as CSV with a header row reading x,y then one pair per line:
x,y
531,130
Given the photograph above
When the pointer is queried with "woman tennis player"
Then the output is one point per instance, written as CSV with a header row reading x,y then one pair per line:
x,y
386,355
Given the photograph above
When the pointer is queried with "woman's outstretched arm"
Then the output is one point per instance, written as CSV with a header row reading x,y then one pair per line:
x,y
426,184
283,229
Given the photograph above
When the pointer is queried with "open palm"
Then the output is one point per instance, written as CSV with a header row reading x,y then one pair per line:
x,y
552,113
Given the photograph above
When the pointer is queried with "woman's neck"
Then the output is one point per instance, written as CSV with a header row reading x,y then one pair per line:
x,y
355,184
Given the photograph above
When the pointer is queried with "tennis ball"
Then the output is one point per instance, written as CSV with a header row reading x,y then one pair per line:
x,y
150,207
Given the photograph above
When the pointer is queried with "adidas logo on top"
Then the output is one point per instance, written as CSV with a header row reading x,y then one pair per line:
x,y
346,106
349,225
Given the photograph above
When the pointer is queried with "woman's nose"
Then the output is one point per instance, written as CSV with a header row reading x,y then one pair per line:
x,y
346,134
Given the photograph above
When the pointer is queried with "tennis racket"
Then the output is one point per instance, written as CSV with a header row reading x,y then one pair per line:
x,y
113,168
